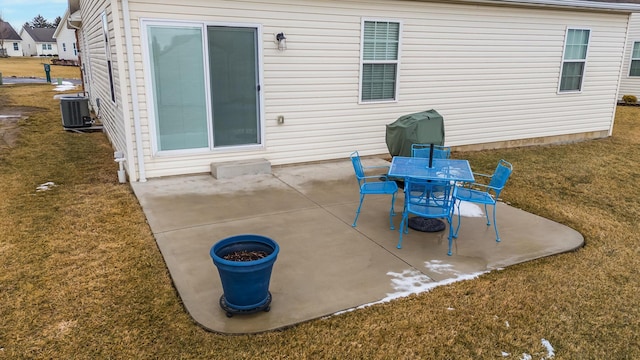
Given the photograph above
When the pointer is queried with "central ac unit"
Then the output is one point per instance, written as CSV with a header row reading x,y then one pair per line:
x,y
75,112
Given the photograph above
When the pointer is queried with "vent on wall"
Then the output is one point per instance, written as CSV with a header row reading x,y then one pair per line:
x,y
75,112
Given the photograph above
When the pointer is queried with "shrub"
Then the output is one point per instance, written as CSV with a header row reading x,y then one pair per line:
x,y
629,99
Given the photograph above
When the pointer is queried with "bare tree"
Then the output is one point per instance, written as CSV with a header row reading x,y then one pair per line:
x,y
4,34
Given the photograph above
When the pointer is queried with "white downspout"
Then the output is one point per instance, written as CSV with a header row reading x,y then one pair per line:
x,y
134,90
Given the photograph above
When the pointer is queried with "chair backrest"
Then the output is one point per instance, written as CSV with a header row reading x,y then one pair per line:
x,y
357,167
427,198
500,176
423,150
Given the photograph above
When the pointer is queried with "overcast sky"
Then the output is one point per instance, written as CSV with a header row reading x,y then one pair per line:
x,y
17,12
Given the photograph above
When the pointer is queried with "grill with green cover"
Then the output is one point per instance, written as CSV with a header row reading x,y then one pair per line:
x,y
426,127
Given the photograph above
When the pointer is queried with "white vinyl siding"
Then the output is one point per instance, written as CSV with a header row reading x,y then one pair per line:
x,y
96,73
491,72
380,55
15,49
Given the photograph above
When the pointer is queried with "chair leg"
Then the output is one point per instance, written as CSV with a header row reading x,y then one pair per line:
x,y
450,236
358,211
403,223
455,234
495,225
486,214
393,202
392,212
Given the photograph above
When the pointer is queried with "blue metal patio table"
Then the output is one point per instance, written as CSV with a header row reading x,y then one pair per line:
x,y
440,169
430,169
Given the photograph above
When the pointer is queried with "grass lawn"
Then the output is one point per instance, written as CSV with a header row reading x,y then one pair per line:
x,y
81,276
34,67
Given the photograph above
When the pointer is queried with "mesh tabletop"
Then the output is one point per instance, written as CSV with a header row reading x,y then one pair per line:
x,y
441,169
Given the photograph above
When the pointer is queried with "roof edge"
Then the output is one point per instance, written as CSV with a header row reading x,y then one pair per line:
x,y
570,4
63,22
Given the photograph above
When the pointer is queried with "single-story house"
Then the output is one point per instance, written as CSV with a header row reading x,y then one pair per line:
x,y
10,41
38,41
65,37
180,85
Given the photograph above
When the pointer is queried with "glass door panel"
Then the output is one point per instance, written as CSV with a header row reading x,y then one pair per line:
x,y
177,67
234,85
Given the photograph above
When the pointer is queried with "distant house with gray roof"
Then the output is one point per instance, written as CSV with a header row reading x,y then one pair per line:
x,y
10,41
38,41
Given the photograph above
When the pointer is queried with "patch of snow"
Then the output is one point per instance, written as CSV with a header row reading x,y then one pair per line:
x,y
469,209
438,267
46,186
550,351
526,356
65,86
506,323
450,308
505,354
412,281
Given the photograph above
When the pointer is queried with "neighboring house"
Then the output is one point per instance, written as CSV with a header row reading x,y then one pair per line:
x,y
10,41
210,83
630,81
66,42
38,41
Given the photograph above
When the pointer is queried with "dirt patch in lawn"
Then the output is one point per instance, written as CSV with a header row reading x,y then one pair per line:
x,y
10,117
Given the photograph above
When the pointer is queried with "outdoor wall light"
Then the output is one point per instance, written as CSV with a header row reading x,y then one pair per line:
x,y
282,41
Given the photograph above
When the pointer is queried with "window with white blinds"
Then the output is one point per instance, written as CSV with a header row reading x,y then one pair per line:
x,y
574,59
379,65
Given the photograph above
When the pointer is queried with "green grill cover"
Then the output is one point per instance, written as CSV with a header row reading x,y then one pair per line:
x,y
426,127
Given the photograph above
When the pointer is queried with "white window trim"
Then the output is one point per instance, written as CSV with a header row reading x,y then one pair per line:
x,y
397,61
152,118
586,56
631,59
106,37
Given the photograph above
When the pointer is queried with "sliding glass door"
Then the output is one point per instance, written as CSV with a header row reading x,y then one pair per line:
x,y
205,83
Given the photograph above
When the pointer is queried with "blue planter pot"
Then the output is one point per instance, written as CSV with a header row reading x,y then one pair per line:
x,y
245,283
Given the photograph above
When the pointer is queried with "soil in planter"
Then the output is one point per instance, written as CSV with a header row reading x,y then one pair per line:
x,y
244,255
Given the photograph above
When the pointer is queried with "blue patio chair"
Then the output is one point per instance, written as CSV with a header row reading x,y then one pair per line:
x,y
382,185
487,194
421,202
423,150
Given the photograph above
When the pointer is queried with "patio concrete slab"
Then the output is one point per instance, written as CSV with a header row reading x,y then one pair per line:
x,y
325,265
